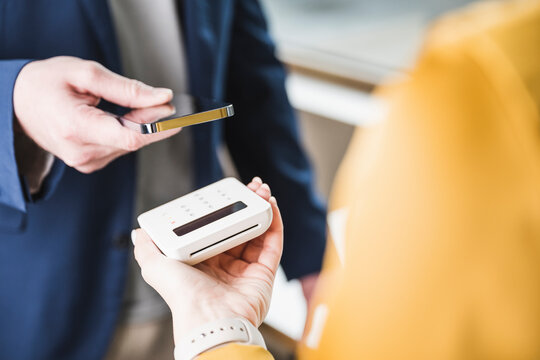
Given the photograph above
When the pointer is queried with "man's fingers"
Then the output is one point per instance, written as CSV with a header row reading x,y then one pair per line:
x,y
95,126
88,158
150,114
91,77
152,138
100,163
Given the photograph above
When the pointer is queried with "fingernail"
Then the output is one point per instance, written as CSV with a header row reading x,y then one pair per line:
x,y
273,200
163,92
257,179
133,236
265,187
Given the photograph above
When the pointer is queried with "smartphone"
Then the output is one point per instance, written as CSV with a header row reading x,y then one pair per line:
x,y
187,110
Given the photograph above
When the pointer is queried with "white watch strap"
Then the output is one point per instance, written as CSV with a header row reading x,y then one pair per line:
x,y
217,333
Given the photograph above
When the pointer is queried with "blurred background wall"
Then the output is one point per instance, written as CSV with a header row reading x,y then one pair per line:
x,y
337,51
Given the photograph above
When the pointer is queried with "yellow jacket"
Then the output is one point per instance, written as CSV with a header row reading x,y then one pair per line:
x,y
434,250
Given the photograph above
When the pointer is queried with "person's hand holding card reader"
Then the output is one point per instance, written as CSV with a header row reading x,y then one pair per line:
x,y
208,221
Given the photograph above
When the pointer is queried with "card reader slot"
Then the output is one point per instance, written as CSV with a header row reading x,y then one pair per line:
x,y
220,241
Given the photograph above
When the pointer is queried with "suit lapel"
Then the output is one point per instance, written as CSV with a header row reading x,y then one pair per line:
x,y
99,18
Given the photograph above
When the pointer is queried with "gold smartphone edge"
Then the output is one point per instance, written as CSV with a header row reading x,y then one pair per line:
x,y
193,119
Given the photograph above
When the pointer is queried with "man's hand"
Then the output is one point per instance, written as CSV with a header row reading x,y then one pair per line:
x,y
236,283
55,103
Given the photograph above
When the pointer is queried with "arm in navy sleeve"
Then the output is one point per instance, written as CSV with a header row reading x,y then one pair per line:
x,y
263,139
13,190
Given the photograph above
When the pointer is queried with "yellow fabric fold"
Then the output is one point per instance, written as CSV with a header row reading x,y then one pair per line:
x,y
237,352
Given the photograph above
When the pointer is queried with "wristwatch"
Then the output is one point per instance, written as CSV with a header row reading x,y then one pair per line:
x,y
215,334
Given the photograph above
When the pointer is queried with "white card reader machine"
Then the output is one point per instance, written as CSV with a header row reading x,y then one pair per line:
x,y
208,221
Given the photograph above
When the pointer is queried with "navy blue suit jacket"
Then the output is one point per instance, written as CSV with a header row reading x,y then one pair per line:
x,y
63,252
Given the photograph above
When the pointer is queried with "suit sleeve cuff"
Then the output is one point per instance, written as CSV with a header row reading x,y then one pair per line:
x,y
12,192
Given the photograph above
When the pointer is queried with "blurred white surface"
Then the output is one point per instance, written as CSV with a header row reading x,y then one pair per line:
x,y
333,101
364,40
288,308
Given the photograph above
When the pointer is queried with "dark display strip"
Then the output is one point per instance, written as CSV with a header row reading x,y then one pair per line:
x,y
207,219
